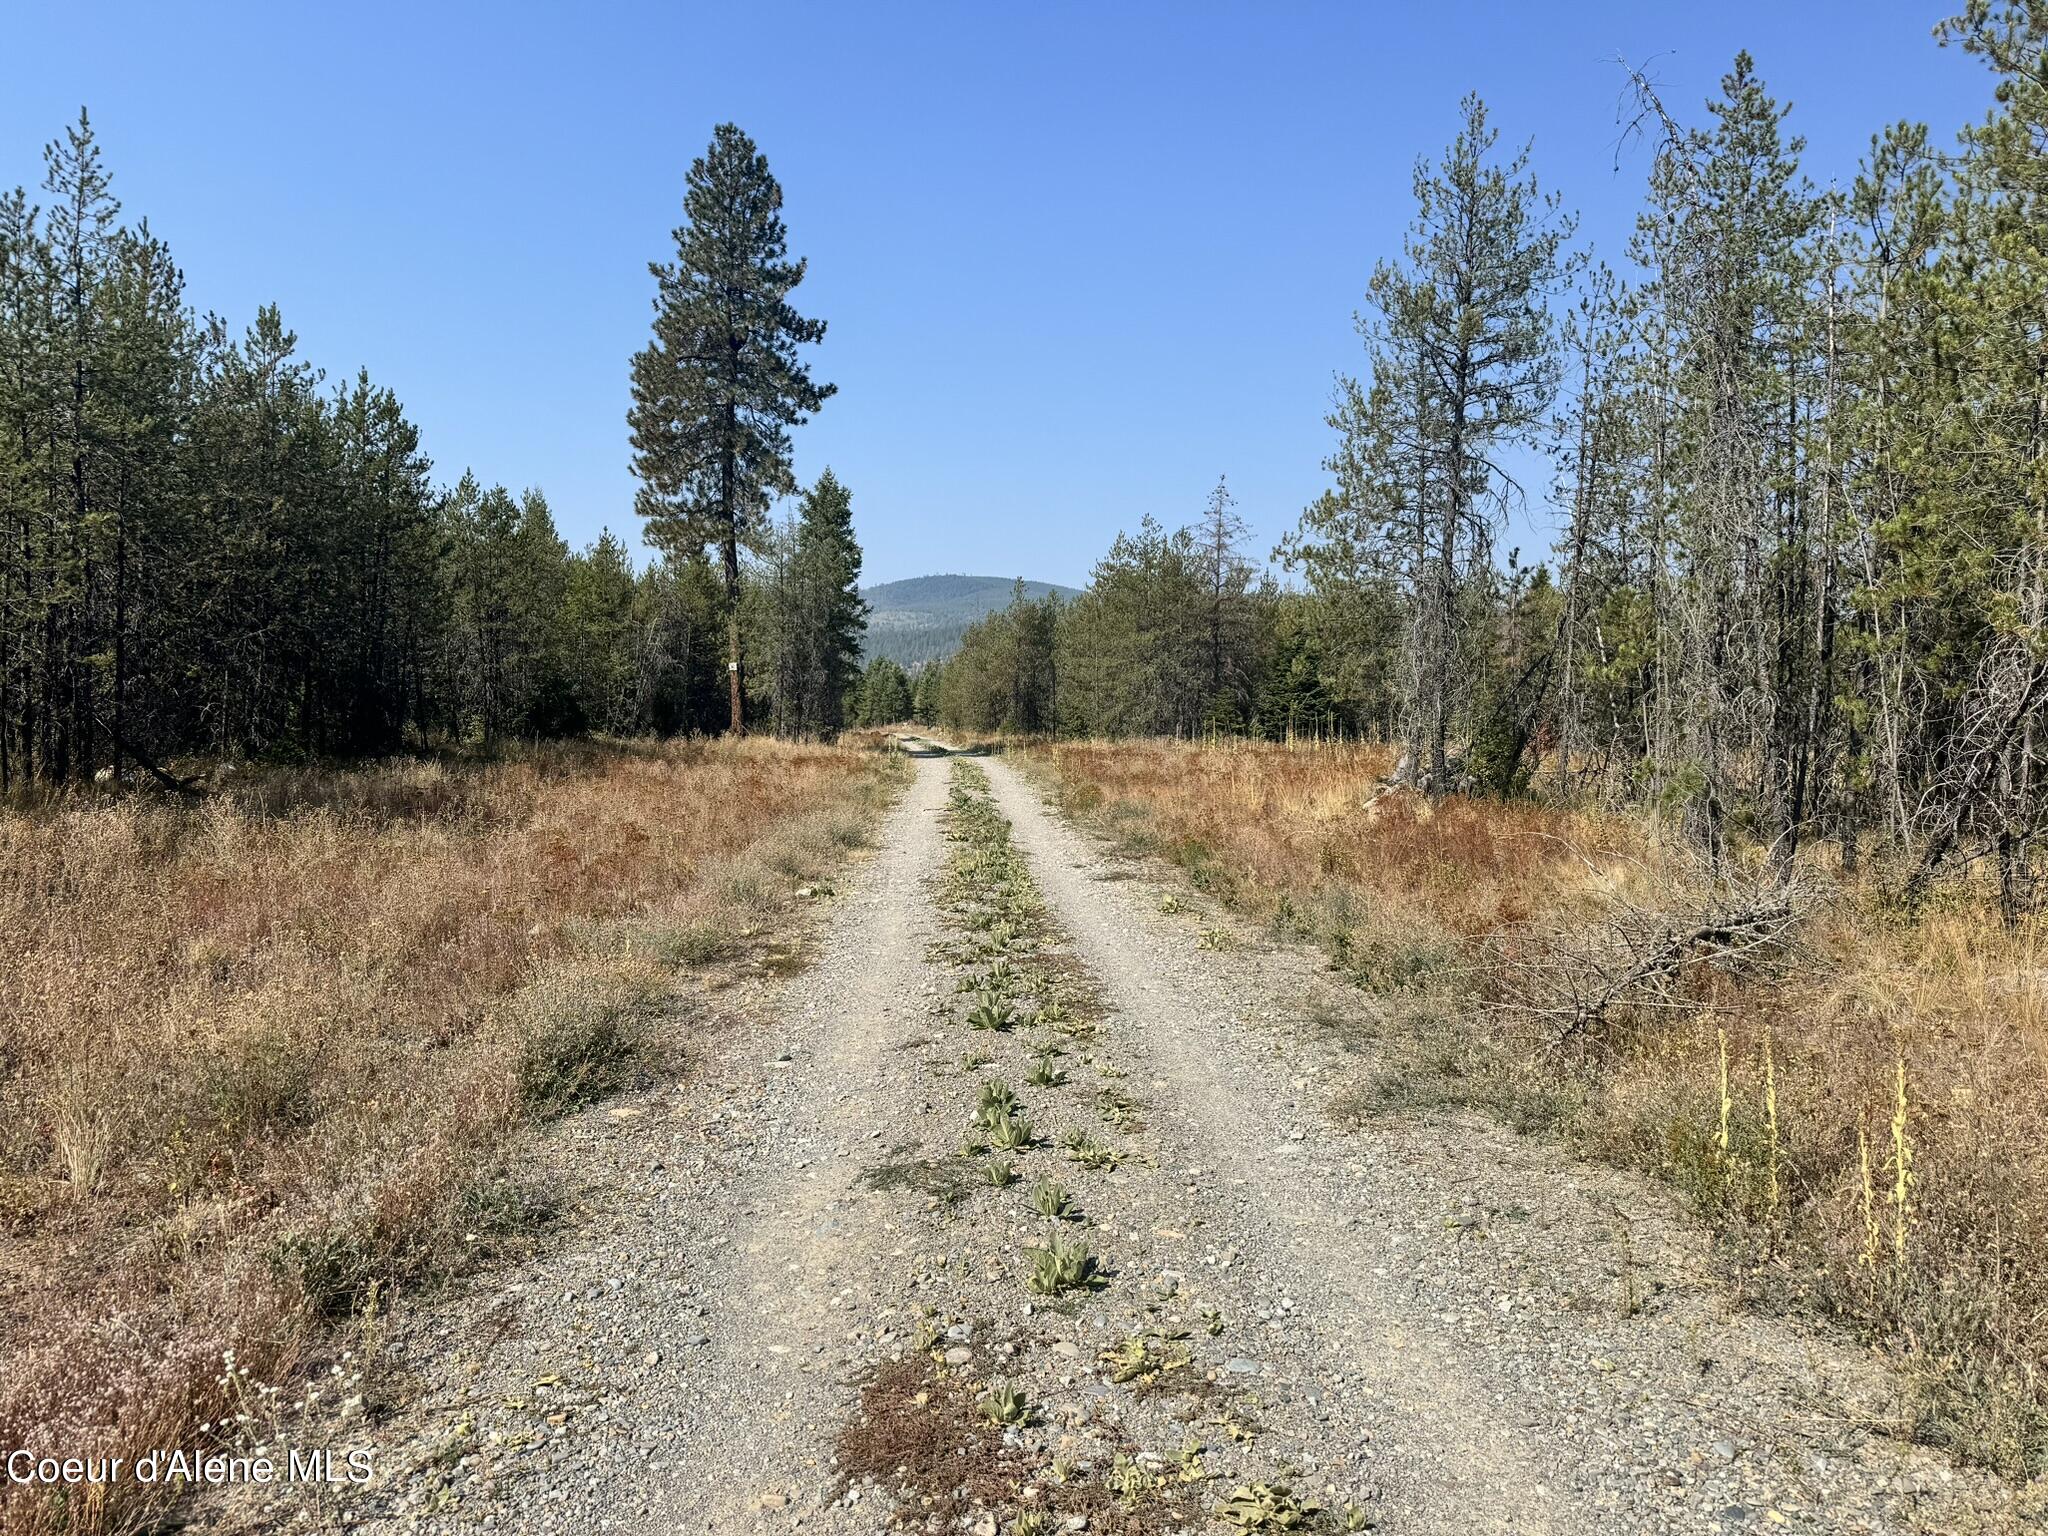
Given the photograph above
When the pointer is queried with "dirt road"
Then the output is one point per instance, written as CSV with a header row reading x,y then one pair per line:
x,y
797,1291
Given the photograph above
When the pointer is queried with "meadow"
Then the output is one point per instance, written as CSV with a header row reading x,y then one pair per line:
x,y
1854,1102
269,1052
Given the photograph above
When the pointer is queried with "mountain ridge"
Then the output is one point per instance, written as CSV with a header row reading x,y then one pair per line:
x,y
920,619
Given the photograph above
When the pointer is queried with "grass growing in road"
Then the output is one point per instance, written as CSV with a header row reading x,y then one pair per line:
x,y
1865,1127
266,1052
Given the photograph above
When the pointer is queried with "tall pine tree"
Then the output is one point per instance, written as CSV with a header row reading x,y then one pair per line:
x,y
717,391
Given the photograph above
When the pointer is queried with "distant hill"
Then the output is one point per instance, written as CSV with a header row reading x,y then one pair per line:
x,y
922,619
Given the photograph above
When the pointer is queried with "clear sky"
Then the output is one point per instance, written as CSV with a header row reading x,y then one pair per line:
x,y
1077,259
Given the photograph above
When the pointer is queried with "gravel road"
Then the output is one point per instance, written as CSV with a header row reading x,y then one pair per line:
x,y
1429,1323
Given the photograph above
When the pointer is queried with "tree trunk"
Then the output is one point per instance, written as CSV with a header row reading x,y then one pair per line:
x,y
732,629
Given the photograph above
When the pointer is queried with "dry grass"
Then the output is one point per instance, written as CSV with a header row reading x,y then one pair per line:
x,y
264,1055
920,1434
1431,907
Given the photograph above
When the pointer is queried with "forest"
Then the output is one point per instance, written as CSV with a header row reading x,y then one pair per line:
x,y
209,551
1801,449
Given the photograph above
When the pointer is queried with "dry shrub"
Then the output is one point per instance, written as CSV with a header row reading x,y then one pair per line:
x,y
265,1052
1438,910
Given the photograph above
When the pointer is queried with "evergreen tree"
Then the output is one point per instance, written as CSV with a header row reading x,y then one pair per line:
x,y
717,391
1464,364
598,627
925,693
811,617
884,693
1226,580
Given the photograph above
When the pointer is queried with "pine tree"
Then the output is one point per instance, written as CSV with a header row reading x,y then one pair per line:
x,y
717,391
1464,364
884,693
809,615
1729,239
1226,578
598,632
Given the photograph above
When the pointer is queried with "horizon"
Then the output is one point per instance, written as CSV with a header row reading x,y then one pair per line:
x,y
419,242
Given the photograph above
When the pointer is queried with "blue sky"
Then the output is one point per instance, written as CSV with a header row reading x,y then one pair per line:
x,y
1077,260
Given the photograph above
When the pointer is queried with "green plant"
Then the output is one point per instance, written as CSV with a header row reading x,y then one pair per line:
x,y
1062,1265
1235,1426
996,1099
1145,1357
1000,1173
990,1015
1088,1152
1115,1107
1130,1482
1045,1072
1052,1200
1012,1133
1051,1011
1031,1523
1005,1404
1266,1507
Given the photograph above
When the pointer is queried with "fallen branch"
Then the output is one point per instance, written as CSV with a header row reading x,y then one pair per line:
x,y
1637,959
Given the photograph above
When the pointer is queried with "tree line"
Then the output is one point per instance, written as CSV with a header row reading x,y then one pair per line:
x,y
207,549
1800,446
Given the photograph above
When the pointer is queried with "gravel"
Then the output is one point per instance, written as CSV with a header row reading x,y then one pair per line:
x,y
1467,1284
1423,1318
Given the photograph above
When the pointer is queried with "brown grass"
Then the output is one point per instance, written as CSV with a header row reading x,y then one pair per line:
x,y
1424,906
920,1434
265,1054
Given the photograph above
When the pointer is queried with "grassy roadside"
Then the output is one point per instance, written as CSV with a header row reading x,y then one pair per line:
x,y
1862,1123
270,1055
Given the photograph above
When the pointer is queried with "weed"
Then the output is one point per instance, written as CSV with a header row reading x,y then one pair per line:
x,y
1011,1133
996,1099
999,1172
1045,1072
1005,1404
1084,1149
1235,1426
1266,1507
1064,1264
1131,1482
1053,1201
1145,1357
1117,1109
990,1014
578,1039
